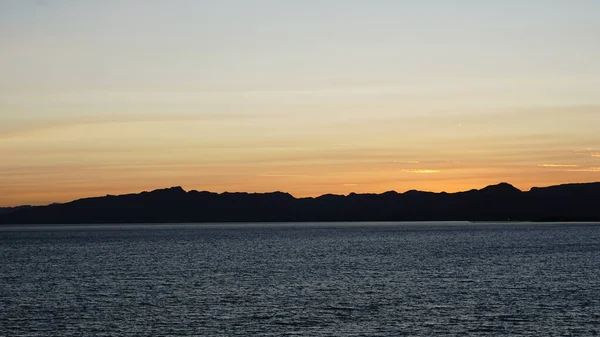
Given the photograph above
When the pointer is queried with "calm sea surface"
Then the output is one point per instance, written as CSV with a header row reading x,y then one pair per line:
x,y
370,279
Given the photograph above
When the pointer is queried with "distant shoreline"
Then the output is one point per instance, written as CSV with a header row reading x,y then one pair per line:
x,y
501,203
275,225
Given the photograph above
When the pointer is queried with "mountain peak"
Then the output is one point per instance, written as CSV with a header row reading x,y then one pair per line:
x,y
174,189
501,187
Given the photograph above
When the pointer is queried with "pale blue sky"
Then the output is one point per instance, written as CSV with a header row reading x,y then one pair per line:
x,y
241,74
238,45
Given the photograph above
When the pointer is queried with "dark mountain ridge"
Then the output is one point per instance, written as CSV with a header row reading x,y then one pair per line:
x,y
501,202
12,209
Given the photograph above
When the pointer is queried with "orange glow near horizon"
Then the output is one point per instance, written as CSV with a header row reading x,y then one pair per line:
x,y
63,162
42,195
301,171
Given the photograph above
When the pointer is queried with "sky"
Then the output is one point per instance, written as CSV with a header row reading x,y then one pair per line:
x,y
309,97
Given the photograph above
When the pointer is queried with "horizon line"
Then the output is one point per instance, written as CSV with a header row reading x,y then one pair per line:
x,y
283,192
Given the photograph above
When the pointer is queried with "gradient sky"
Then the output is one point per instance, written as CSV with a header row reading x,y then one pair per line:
x,y
304,96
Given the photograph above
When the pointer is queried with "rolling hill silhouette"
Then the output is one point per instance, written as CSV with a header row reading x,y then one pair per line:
x,y
502,202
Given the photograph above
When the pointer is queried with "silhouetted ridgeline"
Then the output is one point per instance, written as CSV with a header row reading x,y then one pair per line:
x,y
573,202
11,209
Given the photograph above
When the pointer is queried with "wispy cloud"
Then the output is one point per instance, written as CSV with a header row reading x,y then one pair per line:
x,y
407,161
11,127
557,165
421,171
350,184
588,169
284,175
588,152
570,168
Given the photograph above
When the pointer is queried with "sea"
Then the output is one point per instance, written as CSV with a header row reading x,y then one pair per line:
x,y
301,279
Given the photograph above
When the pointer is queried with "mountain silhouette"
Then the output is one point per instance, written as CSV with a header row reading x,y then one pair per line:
x,y
501,202
12,209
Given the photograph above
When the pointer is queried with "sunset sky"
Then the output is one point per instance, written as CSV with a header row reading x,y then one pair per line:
x,y
304,96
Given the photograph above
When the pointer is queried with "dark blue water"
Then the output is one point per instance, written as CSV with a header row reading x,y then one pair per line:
x,y
301,280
